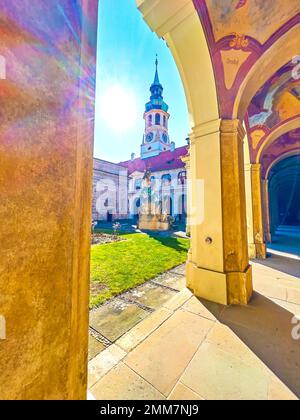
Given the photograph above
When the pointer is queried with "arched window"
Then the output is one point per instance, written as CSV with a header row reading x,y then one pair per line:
x,y
138,184
157,119
182,176
166,179
149,120
182,207
136,206
165,121
167,205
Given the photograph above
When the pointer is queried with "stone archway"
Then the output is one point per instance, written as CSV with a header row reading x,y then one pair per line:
x,y
284,183
46,179
218,259
284,156
266,192
277,132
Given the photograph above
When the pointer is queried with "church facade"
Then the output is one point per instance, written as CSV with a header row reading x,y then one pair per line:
x,y
117,187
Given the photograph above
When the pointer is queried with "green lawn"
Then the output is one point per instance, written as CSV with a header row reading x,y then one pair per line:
x,y
120,266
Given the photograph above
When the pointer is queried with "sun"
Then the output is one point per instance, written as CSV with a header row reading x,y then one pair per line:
x,y
118,108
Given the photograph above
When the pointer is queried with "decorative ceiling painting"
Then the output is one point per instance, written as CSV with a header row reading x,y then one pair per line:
x,y
277,102
238,33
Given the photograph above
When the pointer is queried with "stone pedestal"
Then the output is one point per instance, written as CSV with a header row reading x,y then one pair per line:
x,y
256,240
260,246
153,222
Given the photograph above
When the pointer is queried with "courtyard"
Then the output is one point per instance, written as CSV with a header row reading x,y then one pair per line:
x,y
174,346
135,258
156,341
151,112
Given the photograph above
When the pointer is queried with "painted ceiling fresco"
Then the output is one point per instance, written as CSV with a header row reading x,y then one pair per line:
x,y
238,33
253,18
277,102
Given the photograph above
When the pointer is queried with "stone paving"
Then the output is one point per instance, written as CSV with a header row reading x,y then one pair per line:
x,y
112,320
192,350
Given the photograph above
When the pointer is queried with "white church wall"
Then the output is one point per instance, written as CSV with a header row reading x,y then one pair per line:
x,y
172,191
110,191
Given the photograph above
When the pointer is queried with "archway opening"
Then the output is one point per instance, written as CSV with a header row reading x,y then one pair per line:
x,y
284,198
142,154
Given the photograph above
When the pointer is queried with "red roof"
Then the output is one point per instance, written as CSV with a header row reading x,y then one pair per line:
x,y
163,162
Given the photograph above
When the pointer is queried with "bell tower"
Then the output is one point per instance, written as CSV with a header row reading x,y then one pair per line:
x,y
156,137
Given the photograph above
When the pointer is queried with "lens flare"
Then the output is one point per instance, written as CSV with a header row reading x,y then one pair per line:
x,y
118,108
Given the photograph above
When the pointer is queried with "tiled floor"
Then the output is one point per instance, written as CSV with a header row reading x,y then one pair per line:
x,y
191,349
111,321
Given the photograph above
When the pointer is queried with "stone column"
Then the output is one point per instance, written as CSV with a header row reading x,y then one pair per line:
x,y
46,146
249,200
218,268
257,246
266,210
186,161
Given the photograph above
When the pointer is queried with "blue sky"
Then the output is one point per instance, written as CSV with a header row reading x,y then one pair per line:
x,y
126,56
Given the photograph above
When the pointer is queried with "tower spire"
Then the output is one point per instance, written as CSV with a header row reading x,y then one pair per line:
x,y
156,78
156,137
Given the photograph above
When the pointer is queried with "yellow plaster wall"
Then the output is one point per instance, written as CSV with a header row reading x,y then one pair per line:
x,y
45,213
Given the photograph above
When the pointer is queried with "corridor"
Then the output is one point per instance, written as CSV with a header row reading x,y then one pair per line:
x,y
286,242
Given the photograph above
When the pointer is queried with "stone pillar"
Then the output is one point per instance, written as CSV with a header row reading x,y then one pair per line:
x,y
218,268
249,200
46,146
266,210
186,161
256,243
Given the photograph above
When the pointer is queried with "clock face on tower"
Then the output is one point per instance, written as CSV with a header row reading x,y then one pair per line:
x,y
149,137
165,138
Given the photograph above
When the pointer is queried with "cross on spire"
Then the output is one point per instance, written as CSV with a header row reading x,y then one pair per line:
x,y
156,89
156,79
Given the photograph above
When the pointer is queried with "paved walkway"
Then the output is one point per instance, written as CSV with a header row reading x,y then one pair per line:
x,y
286,242
111,321
191,349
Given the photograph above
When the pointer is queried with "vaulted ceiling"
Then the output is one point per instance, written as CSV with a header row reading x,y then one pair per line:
x,y
239,33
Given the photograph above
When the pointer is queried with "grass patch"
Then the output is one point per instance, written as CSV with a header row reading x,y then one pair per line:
x,y
120,266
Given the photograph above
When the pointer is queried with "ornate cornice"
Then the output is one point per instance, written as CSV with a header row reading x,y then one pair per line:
x,y
164,15
205,129
233,127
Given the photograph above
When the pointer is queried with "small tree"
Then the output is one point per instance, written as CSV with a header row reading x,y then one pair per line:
x,y
94,224
116,227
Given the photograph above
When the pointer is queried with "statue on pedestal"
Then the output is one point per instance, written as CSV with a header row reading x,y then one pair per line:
x,y
150,217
